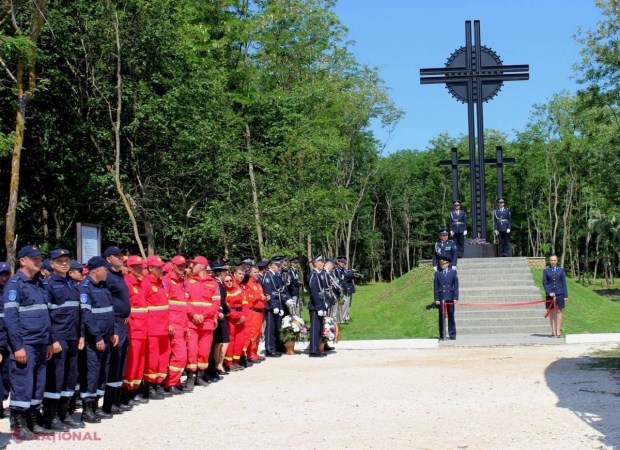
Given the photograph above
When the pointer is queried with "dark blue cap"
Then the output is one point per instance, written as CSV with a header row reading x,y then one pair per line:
x,y
112,250
30,251
443,231
46,265
318,257
500,200
59,252
5,267
96,262
342,258
331,260
276,261
227,262
74,265
247,260
262,264
445,258
217,266
295,260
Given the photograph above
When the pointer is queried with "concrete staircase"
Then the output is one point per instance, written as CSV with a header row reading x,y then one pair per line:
x,y
499,280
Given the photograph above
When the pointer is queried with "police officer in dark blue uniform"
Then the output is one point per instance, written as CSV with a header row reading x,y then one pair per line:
x,y
458,227
554,282
221,335
446,290
28,326
98,319
62,369
502,220
294,287
317,306
273,287
115,282
5,386
444,247
262,268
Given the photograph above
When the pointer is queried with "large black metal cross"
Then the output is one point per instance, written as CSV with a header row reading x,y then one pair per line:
x,y
454,163
474,74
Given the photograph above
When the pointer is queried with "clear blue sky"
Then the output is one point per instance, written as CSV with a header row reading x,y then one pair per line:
x,y
403,36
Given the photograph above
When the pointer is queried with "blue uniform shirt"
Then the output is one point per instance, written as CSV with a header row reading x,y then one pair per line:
x,y
273,286
447,248
120,294
4,340
64,305
26,313
97,310
501,219
317,292
446,285
293,280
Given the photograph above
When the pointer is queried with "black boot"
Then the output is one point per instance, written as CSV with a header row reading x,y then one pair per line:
x,y
199,381
50,412
34,420
123,399
109,405
189,382
160,390
63,414
153,394
72,404
88,415
20,427
98,411
138,396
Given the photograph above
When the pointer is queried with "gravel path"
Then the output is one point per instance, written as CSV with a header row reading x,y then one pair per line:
x,y
451,398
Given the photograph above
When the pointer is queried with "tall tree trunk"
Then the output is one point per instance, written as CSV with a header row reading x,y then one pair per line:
x,y
25,68
566,216
116,124
259,229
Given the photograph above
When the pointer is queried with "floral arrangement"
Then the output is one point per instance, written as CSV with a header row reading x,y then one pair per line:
x,y
479,241
330,331
293,329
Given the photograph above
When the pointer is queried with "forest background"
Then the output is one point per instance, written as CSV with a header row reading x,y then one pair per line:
x,y
233,127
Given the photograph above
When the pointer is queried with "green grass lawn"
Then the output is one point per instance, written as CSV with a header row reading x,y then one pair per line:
x,y
586,311
399,310
394,310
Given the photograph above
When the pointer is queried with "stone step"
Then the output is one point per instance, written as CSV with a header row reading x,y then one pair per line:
x,y
519,268
498,282
474,261
466,313
467,323
498,292
493,271
527,329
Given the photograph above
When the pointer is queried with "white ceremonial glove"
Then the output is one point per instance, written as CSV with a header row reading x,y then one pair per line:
x,y
452,267
508,230
321,313
496,232
276,311
281,313
465,233
451,233
290,303
435,268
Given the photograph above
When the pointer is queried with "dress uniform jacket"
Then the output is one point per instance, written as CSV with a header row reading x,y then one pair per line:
x,y
447,248
446,285
554,281
458,221
293,282
501,219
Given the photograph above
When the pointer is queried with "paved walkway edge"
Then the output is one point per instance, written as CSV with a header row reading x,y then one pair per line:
x,y
592,338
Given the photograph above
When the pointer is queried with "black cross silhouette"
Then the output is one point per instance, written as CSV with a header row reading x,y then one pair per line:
x,y
476,76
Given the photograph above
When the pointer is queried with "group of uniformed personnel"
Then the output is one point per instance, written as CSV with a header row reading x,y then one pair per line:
x,y
126,329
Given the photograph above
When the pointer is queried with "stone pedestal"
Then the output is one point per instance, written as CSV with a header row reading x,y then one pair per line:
x,y
480,251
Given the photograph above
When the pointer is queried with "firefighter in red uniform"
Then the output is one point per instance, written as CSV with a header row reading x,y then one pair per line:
x,y
202,310
158,352
137,327
254,325
178,329
239,310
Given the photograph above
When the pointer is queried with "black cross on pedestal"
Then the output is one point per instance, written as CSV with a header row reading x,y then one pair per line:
x,y
454,162
474,74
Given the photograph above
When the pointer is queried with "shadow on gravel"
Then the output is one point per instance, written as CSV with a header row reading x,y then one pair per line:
x,y
591,395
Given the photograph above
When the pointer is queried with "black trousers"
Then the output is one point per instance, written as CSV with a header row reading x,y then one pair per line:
x,y
271,331
118,356
503,248
451,322
316,325
4,370
93,381
459,240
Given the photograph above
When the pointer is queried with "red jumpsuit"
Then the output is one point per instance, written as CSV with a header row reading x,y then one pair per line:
x,y
254,322
236,299
204,300
158,353
137,327
177,301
